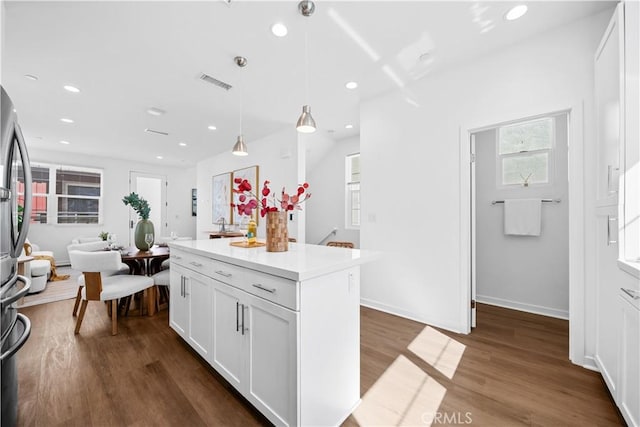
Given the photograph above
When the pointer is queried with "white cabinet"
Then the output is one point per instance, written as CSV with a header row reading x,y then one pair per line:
x,y
629,381
255,348
190,313
607,304
609,92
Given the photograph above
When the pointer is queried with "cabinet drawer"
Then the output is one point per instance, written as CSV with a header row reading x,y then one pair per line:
x,y
272,288
193,262
228,273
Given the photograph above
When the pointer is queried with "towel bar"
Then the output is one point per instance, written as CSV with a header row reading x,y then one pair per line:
x,y
493,202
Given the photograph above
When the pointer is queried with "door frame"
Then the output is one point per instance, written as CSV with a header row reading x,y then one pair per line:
x,y
575,142
160,229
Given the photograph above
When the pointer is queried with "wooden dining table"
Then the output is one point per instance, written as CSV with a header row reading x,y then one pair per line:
x,y
146,263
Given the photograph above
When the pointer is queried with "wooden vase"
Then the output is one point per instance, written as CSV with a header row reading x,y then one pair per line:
x,y
277,234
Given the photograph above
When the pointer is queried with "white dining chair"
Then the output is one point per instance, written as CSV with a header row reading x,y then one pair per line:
x,y
98,287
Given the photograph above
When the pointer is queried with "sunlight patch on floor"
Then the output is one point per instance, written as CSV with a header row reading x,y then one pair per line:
x,y
403,395
438,350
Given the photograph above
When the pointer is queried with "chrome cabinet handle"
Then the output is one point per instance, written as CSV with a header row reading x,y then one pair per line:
x,y
259,286
610,219
223,273
195,264
633,294
610,170
242,319
237,317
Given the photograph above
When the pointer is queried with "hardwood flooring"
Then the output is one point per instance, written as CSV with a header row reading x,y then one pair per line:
x,y
512,370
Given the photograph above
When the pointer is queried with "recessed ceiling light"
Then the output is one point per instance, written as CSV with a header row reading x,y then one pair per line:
x,y
516,12
155,111
66,120
31,77
279,29
351,85
71,89
348,126
182,144
65,142
212,127
159,157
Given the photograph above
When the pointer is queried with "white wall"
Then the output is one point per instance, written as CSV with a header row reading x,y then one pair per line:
x,y
115,214
277,159
411,197
328,179
523,272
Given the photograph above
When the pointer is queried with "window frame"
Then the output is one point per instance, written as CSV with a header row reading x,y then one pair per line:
x,y
53,197
550,152
349,192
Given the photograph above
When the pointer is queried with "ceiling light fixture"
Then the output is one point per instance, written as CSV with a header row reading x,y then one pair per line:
x,y
212,127
306,124
65,142
348,126
182,144
516,12
31,77
155,111
71,89
279,29
159,157
65,120
351,85
240,148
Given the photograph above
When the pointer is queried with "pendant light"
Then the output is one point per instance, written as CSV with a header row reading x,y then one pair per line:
x,y
240,148
306,124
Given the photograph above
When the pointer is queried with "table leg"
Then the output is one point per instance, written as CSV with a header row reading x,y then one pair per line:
x,y
151,301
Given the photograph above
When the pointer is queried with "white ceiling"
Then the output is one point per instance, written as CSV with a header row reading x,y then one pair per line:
x,y
129,56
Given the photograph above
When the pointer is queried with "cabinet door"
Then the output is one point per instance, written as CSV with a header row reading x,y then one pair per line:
x,y
608,315
609,65
178,304
199,297
272,362
629,397
227,353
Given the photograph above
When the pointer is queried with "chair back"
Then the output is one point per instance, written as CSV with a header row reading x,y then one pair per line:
x,y
94,262
341,244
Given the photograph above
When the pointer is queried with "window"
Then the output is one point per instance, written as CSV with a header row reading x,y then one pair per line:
x,y
353,191
65,194
524,152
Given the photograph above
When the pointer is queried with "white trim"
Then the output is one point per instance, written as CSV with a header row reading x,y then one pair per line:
x,y
575,114
396,311
529,308
590,364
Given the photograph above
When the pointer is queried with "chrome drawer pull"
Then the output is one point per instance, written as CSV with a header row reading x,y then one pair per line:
x,y
259,286
633,294
195,264
223,273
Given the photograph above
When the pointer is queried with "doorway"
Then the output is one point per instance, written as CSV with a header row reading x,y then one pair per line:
x,y
521,159
152,188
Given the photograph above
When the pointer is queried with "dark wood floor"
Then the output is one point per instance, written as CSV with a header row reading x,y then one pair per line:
x,y
512,370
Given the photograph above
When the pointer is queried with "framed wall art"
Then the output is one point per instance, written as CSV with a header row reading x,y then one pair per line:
x,y
221,198
251,175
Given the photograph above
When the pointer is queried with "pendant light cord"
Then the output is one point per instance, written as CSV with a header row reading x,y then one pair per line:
x,y
241,96
306,61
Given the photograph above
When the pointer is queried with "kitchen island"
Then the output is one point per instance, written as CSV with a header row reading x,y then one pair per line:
x,y
282,327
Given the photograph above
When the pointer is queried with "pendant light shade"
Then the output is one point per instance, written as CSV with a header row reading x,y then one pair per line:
x,y
306,124
240,148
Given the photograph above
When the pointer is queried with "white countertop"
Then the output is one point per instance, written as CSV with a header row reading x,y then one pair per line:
x,y
300,262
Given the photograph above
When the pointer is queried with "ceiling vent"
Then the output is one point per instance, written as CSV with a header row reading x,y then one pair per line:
x,y
207,78
158,132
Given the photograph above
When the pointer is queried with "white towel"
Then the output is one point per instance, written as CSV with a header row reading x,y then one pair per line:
x,y
522,217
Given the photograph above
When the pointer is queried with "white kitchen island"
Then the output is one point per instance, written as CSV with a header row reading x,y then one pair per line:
x,y
282,327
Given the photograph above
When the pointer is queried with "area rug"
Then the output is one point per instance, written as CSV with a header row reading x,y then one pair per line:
x,y
55,291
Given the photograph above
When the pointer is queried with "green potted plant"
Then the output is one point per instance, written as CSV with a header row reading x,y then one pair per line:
x,y
144,226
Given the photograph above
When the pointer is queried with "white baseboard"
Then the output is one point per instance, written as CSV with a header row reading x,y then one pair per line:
x,y
377,305
590,364
529,308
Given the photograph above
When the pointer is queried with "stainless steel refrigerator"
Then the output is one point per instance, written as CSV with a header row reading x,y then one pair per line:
x,y
15,175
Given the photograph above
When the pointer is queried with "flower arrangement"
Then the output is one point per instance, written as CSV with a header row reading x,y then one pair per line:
x,y
140,205
250,201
